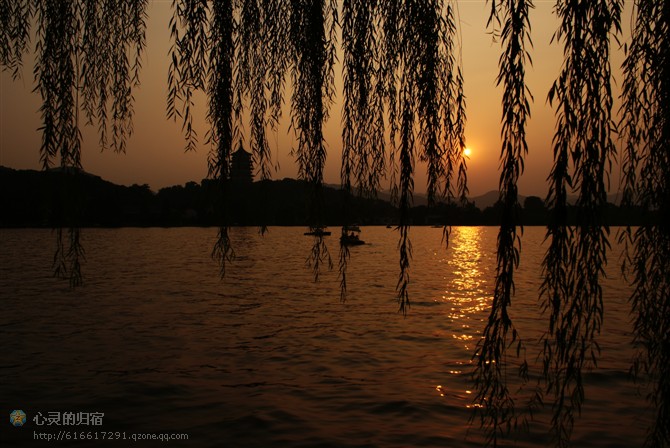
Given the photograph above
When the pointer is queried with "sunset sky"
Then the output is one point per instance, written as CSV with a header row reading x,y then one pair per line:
x,y
155,153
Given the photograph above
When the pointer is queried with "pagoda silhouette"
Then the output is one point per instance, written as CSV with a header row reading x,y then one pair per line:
x,y
241,170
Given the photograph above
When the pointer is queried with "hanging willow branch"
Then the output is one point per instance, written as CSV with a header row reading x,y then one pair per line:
x,y
363,140
15,19
277,22
252,77
406,188
220,114
261,42
312,30
188,67
363,144
575,261
401,55
455,169
646,161
425,103
498,413
56,75
388,73
127,30
88,57
220,91
247,61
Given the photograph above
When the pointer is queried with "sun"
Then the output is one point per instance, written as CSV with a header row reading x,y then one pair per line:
x,y
467,152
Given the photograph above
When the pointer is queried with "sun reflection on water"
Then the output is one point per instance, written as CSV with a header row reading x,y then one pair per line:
x,y
466,284
467,292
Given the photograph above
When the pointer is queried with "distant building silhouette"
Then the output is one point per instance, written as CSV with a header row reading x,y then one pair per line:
x,y
242,166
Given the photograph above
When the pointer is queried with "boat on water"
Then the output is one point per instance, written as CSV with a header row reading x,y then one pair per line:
x,y
350,237
318,231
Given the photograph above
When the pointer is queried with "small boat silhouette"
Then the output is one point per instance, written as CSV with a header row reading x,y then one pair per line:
x,y
318,231
350,236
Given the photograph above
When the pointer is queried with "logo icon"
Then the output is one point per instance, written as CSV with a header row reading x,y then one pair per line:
x,y
17,417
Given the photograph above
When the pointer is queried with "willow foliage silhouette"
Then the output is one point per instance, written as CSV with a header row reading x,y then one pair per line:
x,y
495,402
574,264
88,59
645,128
402,99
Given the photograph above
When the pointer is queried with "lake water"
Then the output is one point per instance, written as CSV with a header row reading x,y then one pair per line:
x,y
266,357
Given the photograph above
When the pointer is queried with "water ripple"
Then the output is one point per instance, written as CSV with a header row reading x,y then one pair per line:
x,y
267,357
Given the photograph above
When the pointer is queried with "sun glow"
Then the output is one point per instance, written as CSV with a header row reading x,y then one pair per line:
x,y
467,152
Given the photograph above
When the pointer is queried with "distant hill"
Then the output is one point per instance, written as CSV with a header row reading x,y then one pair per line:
x,y
385,195
73,197
67,197
489,199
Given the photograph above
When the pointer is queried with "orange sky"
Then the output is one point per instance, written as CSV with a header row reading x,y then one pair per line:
x,y
155,153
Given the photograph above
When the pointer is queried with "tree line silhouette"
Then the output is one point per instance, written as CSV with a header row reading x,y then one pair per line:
x,y
402,99
271,202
